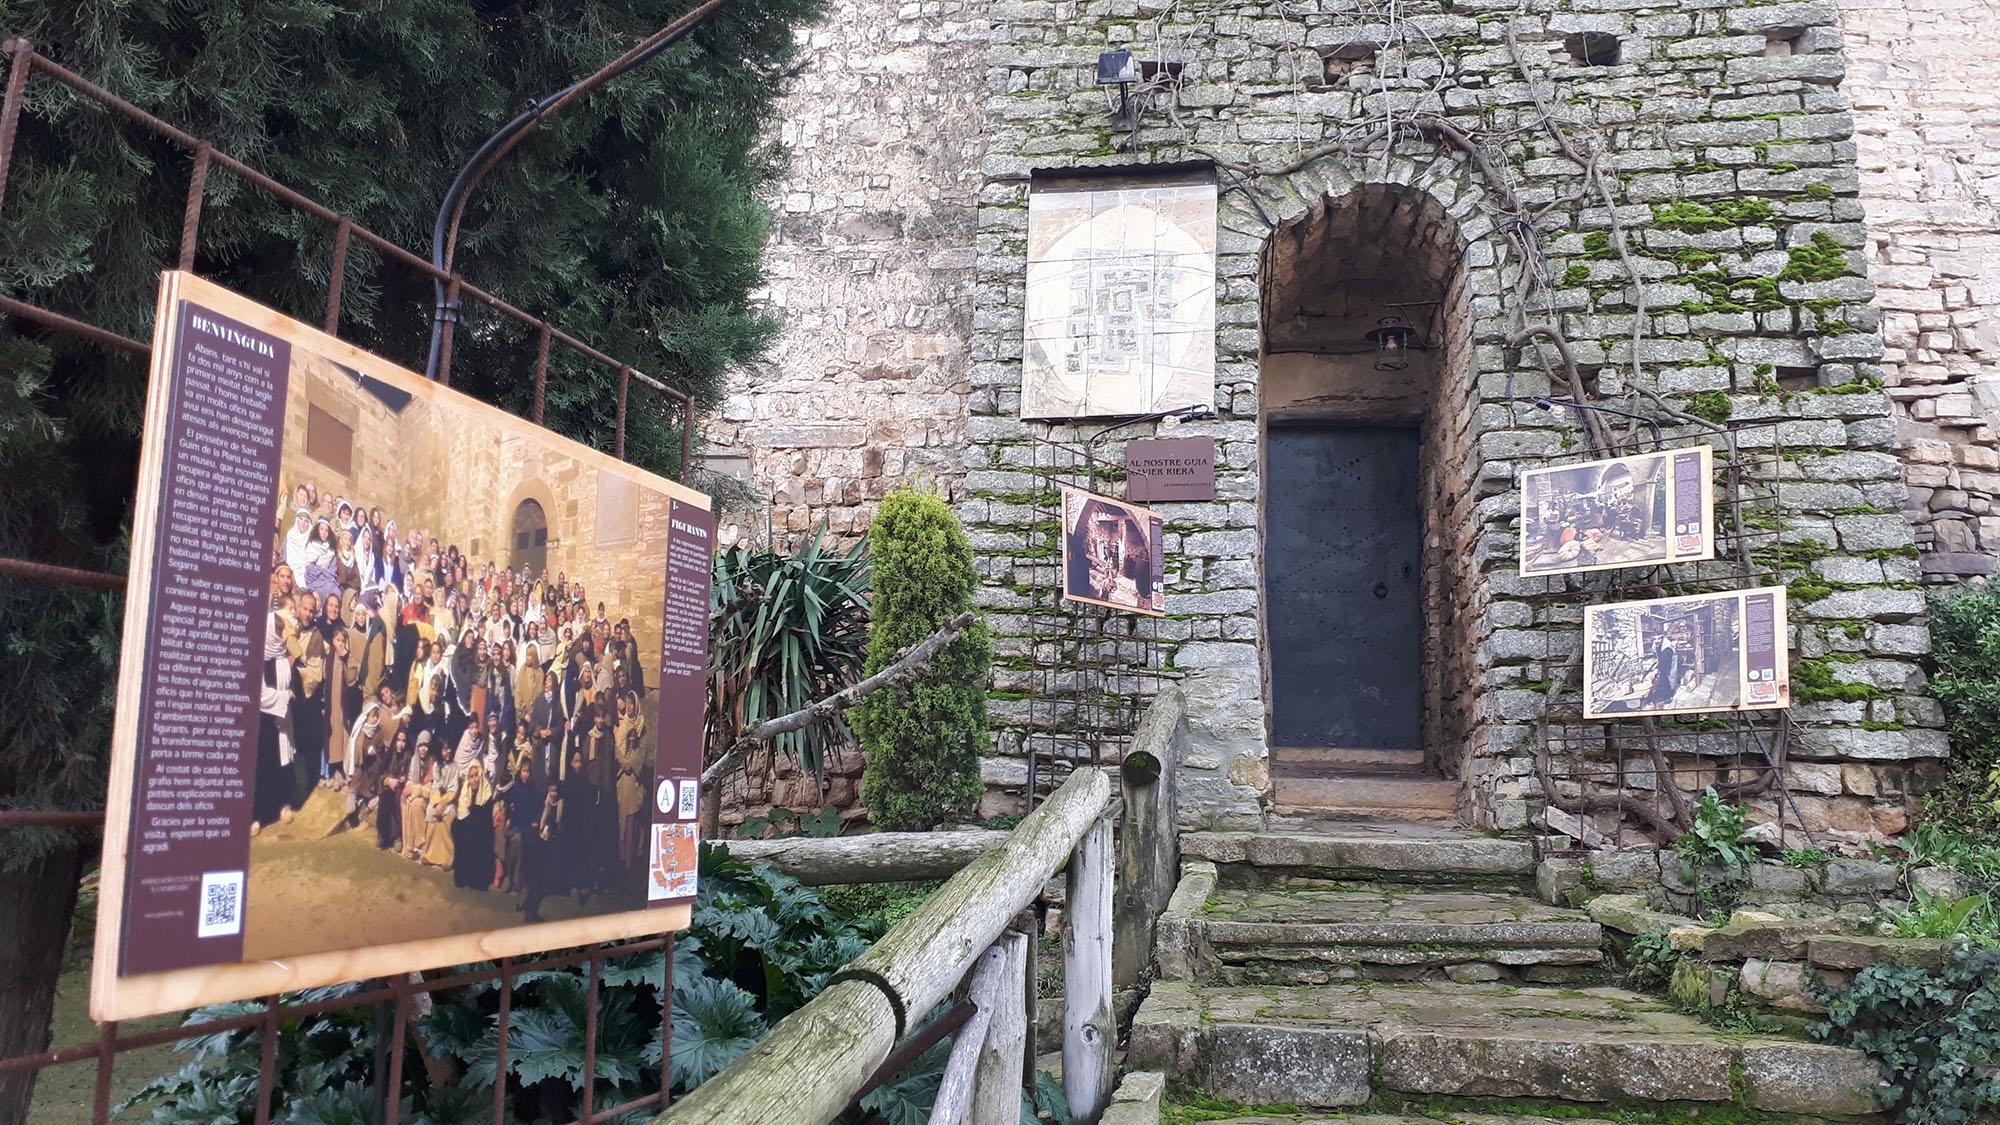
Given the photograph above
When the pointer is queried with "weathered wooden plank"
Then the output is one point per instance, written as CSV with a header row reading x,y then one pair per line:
x,y
953,1103
996,1081
806,1069
875,857
1088,1028
1148,844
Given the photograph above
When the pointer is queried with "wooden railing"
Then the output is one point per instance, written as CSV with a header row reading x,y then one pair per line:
x,y
974,933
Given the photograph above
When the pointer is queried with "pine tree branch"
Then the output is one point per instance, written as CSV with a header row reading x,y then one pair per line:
x,y
913,660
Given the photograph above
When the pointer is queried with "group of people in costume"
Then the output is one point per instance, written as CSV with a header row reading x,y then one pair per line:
x,y
486,720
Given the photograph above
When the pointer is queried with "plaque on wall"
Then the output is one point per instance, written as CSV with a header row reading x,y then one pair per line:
x,y
406,681
1111,553
1120,297
1673,656
1642,510
1165,469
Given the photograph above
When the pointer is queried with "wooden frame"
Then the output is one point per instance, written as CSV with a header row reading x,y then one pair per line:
x,y
116,997
1676,545
1778,695
1146,518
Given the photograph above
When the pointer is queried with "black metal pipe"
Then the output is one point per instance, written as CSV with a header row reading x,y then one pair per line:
x,y
443,232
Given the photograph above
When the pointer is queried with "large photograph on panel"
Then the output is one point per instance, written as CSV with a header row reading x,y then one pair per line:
x,y
1702,652
1120,296
1642,510
468,624
399,668
1111,553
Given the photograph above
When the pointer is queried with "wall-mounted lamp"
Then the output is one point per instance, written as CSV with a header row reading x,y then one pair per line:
x,y
1391,337
1117,68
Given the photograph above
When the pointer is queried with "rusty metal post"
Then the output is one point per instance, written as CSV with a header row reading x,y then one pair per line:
x,y
191,216
590,1039
337,277
500,1056
23,54
541,368
450,315
687,435
267,1060
107,1055
667,1024
624,391
392,1105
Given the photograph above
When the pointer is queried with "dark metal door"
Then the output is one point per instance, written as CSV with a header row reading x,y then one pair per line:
x,y
1343,533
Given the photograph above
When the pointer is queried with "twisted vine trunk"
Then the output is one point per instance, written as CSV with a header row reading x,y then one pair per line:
x,y
34,928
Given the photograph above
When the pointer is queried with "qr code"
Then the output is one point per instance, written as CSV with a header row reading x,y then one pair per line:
x,y
221,904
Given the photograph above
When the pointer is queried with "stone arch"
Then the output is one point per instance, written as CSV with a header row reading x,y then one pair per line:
x,y
1349,243
530,493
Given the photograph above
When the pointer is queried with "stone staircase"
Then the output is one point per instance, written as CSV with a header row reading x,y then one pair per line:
x,y
1364,964
1379,901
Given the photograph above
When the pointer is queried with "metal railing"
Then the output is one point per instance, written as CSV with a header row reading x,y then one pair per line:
x,y
394,997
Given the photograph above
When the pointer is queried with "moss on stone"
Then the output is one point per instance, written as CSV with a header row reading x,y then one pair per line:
x,y
1712,406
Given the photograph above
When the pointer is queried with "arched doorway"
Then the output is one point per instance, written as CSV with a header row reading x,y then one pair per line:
x,y
530,537
1368,530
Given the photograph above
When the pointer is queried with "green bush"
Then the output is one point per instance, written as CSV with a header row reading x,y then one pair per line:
x,y
1965,653
794,632
760,946
1935,1035
923,738
1960,820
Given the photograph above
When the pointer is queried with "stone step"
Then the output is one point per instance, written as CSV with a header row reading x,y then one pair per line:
x,y
1456,1117
1378,794
1315,935
1397,852
1329,1046
1304,759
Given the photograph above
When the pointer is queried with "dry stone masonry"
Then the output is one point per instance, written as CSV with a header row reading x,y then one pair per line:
x,y
1764,160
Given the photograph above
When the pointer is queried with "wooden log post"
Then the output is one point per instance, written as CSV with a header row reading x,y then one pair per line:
x,y
996,1080
1148,843
953,1104
1089,1029
806,1069
874,857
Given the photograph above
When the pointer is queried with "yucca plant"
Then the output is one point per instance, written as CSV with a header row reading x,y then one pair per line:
x,y
788,630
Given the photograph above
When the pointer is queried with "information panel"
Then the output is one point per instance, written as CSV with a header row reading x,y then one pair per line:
x,y
406,681
1702,652
1642,510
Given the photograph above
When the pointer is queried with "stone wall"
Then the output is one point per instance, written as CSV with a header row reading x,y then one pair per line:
x,y
1726,139
869,268
1925,82
1739,169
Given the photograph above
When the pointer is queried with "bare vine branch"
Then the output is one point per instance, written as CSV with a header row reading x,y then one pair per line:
x,y
906,667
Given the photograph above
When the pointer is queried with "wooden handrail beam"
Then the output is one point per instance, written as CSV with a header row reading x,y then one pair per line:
x,y
873,857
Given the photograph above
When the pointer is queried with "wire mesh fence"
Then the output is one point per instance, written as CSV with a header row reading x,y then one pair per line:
x,y
393,1002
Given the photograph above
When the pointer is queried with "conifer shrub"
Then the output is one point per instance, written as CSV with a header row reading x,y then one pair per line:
x,y
923,738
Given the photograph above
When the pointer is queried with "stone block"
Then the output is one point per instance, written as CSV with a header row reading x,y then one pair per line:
x,y
1810,1079
1781,984
1526,1064
1855,952
1860,878
1261,1064
1629,914
1779,939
